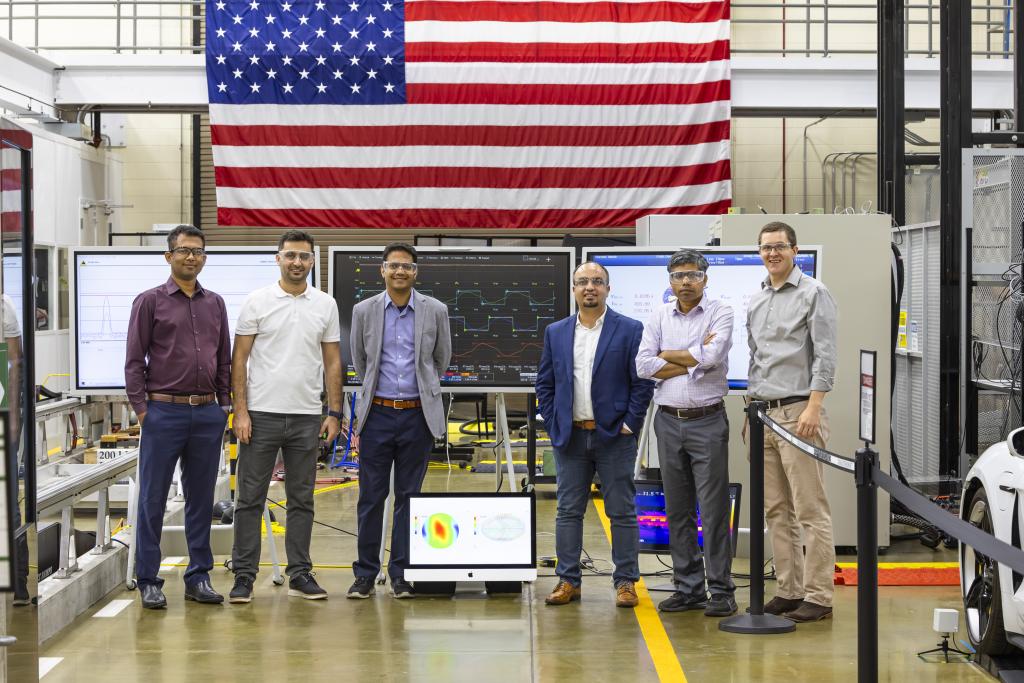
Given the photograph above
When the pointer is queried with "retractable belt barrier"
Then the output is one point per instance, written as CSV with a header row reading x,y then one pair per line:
x,y
868,477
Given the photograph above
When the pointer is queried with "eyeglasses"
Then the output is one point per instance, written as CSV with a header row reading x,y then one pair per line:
x,y
395,266
776,248
584,281
304,256
198,252
686,275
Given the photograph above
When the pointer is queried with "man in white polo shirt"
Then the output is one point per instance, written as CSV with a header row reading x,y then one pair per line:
x,y
287,336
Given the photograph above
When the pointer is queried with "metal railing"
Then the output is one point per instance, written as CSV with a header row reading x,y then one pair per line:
x,y
805,27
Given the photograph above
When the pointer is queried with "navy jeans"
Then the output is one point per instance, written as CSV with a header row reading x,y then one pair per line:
x,y
614,462
389,436
195,435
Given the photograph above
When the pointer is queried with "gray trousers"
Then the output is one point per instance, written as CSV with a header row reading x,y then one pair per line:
x,y
694,459
296,436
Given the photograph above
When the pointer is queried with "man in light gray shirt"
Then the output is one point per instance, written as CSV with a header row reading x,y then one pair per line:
x,y
791,330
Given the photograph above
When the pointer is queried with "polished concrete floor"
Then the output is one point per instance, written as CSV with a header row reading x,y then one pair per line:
x,y
506,638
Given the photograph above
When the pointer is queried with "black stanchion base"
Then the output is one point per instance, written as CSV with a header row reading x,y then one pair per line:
x,y
756,624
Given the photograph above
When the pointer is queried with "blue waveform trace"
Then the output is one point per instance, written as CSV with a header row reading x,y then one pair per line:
x,y
536,327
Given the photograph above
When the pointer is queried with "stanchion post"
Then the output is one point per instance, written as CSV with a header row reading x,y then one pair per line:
x,y
867,566
756,621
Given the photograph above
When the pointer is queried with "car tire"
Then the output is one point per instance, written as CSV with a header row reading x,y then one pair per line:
x,y
982,593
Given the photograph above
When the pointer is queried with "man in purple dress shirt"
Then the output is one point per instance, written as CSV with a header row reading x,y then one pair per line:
x,y
177,370
686,348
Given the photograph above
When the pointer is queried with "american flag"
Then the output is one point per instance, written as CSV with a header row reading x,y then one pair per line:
x,y
11,177
467,113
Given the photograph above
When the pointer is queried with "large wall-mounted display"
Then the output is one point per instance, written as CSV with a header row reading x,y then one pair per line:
x,y
639,284
107,280
499,301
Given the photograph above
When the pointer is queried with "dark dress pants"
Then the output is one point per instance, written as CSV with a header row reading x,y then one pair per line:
x,y
195,435
402,438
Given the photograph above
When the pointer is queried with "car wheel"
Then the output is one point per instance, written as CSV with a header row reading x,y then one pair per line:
x,y
983,607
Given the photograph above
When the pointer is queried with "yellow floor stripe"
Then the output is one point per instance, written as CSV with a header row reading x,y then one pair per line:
x,y
666,663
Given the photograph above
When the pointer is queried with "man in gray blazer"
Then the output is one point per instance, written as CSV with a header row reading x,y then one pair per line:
x,y
401,345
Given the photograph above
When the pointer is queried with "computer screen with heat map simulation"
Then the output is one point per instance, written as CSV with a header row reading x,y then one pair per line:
x,y
471,531
653,521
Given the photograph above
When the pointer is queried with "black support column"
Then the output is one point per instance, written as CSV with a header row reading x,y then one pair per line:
x,y
955,121
891,111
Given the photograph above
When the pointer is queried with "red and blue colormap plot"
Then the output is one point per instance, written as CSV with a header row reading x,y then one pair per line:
x,y
440,530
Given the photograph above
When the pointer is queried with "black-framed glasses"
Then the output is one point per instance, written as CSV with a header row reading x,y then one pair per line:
x,y
304,256
686,276
198,252
777,248
584,281
395,266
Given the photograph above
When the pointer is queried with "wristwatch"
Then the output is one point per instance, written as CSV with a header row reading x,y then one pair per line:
x,y
335,413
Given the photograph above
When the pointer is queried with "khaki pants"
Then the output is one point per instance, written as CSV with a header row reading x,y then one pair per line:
x,y
797,512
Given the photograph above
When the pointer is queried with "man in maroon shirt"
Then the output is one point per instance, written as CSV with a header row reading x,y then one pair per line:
x,y
177,370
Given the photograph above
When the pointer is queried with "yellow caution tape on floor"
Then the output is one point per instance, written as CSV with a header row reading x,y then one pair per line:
x,y
666,663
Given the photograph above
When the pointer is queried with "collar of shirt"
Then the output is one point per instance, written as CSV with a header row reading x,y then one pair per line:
x,y
171,287
597,325
280,293
794,278
702,305
389,302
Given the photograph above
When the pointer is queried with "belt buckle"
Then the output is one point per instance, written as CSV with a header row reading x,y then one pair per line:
x,y
194,396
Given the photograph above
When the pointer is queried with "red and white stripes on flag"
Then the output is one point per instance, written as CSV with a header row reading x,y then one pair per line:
x,y
10,188
519,114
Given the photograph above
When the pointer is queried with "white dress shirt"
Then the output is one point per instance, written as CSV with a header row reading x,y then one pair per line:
x,y
583,352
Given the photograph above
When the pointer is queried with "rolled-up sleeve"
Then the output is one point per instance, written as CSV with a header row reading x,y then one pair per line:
x,y
822,323
140,332
647,361
711,355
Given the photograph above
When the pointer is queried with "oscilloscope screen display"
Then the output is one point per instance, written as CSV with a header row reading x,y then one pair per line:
x,y
499,304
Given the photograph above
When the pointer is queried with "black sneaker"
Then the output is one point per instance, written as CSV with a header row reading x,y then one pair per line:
x,y
722,605
677,602
361,588
305,586
242,591
401,589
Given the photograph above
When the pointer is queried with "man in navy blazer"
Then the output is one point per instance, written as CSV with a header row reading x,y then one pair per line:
x,y
593,405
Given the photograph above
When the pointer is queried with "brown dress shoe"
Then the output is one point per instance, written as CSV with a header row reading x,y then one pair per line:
x,y
779,606
808,611
625,595
563,594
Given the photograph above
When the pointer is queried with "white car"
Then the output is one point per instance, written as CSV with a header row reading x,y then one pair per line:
x,y
992,501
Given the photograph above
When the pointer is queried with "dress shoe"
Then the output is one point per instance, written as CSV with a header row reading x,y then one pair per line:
x,y
721,605
808,611
203,592
779,606
152,596
625,595
563,594
677,602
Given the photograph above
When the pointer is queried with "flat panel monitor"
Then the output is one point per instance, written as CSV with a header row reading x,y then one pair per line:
x,y
106,281
639,284
653,520
472,537
500,300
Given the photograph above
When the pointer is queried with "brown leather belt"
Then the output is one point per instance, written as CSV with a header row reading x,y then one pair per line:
x,y
588,425
789,400
692,413
193,400
400,404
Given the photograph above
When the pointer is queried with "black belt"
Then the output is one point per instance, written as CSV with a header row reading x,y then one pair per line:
x,y
779,402
692,413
